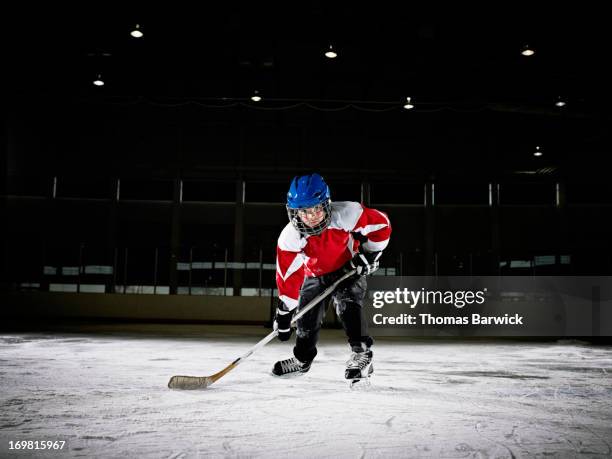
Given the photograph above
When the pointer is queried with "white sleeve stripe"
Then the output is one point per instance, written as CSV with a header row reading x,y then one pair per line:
x,y
371,228
293,267
289,302
349,245
375,246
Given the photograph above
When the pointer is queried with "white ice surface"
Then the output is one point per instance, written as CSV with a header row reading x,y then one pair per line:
x,y
106,395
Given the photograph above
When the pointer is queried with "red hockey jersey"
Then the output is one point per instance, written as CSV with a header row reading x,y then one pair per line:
x,y
298,256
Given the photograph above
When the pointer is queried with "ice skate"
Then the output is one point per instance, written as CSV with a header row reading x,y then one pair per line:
x,y
290,367
359,368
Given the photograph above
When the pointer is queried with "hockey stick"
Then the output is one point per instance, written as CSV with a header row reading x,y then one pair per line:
x,y
202,382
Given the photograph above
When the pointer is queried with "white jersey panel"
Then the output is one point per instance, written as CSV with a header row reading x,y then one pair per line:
x,y
290,239
345,215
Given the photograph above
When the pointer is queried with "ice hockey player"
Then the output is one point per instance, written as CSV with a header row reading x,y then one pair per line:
x,y
322,241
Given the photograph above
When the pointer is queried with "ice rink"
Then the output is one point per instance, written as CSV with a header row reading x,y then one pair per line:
x,y
104,392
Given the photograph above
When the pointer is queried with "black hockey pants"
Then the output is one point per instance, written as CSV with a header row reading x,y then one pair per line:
x,y
348,301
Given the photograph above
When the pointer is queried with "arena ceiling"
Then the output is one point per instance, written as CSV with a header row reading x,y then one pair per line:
x,y
480,105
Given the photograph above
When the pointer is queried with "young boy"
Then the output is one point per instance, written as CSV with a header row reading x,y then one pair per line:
x,y
321,242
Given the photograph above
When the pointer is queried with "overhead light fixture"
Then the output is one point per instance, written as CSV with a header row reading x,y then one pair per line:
x,y
98,81
408,105
330,53
527,51
256,97
560,102
99,54
538,152
136,33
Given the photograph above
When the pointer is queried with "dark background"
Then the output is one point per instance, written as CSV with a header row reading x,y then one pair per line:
x,y
175,132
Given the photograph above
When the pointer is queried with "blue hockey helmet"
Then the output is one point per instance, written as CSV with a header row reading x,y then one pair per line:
x,y
305,192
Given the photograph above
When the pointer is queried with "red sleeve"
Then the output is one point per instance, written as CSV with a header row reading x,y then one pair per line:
x,y
376,227
289,276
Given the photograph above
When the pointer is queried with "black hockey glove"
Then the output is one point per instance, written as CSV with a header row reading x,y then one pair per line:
x,y
365,263
282,322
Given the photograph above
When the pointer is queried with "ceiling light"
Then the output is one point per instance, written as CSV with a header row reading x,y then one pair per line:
x,y
537,152
408,105
560,102
98,81
330,53
527,51
136,33
256,97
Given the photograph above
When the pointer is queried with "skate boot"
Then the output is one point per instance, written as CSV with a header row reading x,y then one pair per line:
x,y
290,367
359,366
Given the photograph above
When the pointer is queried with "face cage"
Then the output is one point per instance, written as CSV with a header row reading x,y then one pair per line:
x,y
306,230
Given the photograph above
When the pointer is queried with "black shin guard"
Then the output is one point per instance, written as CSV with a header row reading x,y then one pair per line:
x,y
356,328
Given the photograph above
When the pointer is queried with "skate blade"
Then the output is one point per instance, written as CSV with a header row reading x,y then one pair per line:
x,y
360,383
290,375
